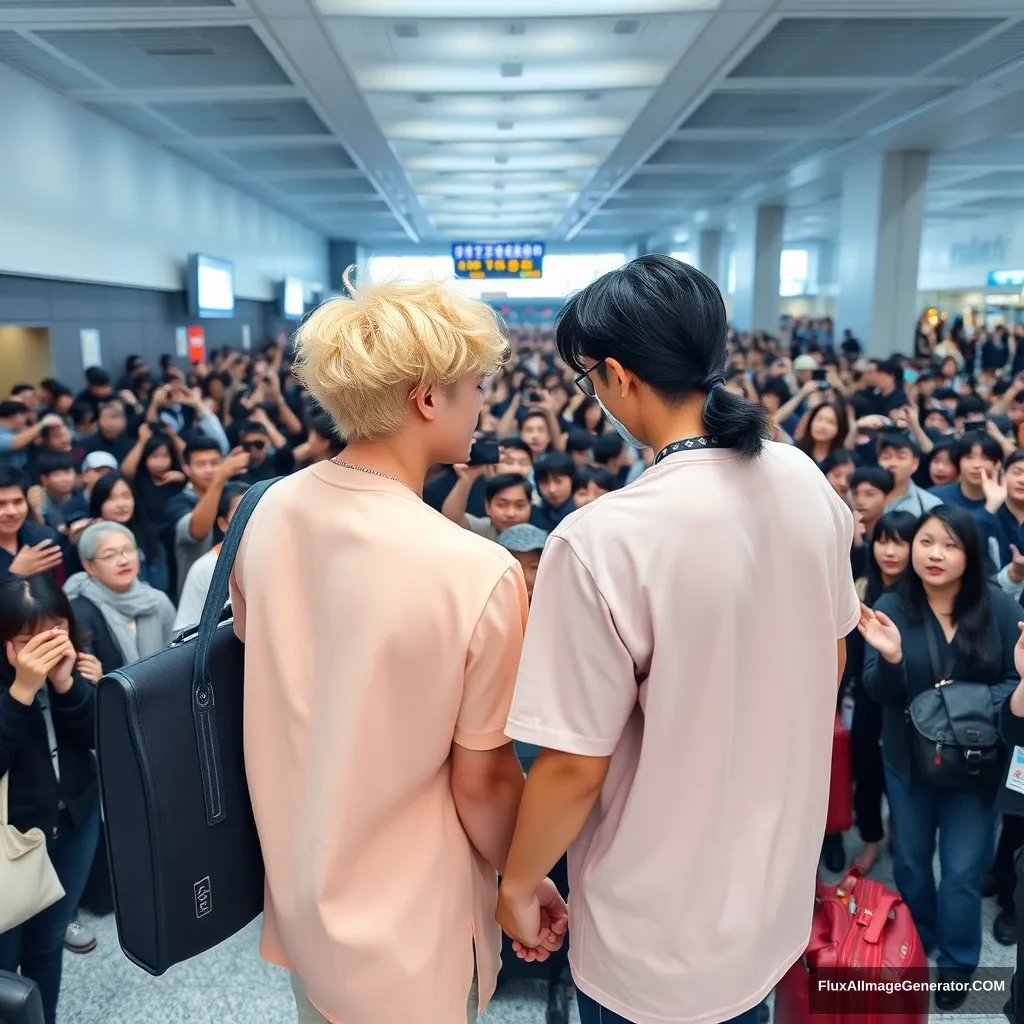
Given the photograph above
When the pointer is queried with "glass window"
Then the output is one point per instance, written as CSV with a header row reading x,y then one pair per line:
x,y
685,257
793,272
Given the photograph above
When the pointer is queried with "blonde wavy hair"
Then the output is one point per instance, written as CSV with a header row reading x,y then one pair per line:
x,y
361,356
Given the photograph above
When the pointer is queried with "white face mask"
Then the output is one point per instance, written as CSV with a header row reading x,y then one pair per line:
x,y
619,427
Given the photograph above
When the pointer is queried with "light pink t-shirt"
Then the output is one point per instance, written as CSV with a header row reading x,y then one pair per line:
x,y
377,633
686,625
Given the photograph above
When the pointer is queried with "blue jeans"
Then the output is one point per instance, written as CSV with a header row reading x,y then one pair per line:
x,y
37,946
594,1013
949,918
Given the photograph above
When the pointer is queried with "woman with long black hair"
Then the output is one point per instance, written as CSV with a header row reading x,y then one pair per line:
x,y
943,620
113,500
47,721
888,557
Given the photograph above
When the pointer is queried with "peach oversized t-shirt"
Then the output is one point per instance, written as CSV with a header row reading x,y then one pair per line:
x,y
376,634
686,626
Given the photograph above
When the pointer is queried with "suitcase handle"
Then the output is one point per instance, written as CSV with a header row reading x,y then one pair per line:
x,y
203,702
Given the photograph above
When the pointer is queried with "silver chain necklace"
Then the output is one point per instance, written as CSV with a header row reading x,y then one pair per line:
x,y
366,469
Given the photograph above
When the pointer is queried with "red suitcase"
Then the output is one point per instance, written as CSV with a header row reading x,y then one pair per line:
x,y
840,792
857,924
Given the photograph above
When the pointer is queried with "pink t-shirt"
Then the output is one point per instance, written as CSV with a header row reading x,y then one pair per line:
x,y
377,633
686,625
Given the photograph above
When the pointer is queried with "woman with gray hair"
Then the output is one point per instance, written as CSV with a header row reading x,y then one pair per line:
x,y
127,619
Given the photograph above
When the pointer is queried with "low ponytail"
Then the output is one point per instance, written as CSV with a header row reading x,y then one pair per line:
x,y
740,424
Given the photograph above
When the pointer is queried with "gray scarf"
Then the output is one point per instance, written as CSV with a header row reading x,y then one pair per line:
x,y
150,609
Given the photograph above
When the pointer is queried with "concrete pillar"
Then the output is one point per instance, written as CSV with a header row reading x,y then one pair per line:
x,y
341,255
758,264
709,255
879,247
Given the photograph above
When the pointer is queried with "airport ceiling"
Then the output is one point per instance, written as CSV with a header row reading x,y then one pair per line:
x,y
587,122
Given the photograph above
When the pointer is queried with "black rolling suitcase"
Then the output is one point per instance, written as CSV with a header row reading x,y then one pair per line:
x,y
185,863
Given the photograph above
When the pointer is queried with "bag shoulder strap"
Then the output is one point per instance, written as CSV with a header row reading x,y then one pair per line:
x,y
203,702
933,653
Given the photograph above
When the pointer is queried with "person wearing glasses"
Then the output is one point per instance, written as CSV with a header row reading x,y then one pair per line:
x,y
125,618
269,452
679,672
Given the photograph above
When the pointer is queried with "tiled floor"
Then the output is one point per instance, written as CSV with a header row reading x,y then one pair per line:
x,y
231,985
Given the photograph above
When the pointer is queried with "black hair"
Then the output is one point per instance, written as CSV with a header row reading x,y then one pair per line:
x,y
199,443
22,387
666,322
604,479
579,417
52,385
145,536
132,362
28,601
82,412
891,526
97,377
837,457
873,476
252,427
114,404
503,481
231,493
12,407
990,447
553,464
778,387
153,444
1017,455
516,442
579,441
325,426
893,367
607,447
898,439
12,477
971,405
806,443
970,606
52,462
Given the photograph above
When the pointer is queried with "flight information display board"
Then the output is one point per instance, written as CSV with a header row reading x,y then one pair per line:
x,y
483,260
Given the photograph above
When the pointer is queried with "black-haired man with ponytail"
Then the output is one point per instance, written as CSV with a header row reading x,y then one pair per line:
x,y
685,639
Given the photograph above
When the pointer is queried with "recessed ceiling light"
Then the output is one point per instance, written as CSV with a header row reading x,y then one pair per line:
x,y
512,69
626,27
407,30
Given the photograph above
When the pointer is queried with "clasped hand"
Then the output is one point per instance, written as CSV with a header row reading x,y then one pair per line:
x,y
536,922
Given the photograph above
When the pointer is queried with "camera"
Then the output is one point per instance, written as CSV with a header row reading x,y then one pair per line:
x,y
483,453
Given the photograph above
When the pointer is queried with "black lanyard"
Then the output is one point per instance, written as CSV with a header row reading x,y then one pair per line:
x,y
691,444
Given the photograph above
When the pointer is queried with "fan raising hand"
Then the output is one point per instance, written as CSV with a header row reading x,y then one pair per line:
x,y
882,633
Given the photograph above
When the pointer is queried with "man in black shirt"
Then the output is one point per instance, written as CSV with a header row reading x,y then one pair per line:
x,y
269,453
26,548
112,434
97,387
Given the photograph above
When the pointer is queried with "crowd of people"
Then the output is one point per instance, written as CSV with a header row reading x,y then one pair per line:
x,y
113,502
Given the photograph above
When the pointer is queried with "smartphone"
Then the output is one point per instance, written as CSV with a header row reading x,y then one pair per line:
x,y
824,385
483,453
819,374
534,396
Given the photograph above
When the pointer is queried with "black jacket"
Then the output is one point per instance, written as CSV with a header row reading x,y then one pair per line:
x,y
895,686
34,795
100,642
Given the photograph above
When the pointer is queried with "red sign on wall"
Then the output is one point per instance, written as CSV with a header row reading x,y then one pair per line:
x,y
197,345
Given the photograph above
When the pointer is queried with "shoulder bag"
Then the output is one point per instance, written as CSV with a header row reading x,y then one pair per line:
x,y
955,736
185,865
27,879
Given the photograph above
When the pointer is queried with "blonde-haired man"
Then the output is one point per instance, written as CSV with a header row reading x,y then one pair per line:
x,y
382,644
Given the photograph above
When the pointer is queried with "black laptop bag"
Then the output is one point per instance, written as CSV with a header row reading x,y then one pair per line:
x,y
185,863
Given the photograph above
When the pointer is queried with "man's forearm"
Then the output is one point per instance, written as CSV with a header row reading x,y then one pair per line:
x,y
454,507
559,795
489,814
204,515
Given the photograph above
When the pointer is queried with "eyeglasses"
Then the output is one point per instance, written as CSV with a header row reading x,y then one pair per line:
x,y
115,556
583,381
253,446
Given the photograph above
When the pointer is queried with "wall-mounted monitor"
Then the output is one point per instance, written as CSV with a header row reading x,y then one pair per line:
x,y
210,284
293,299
